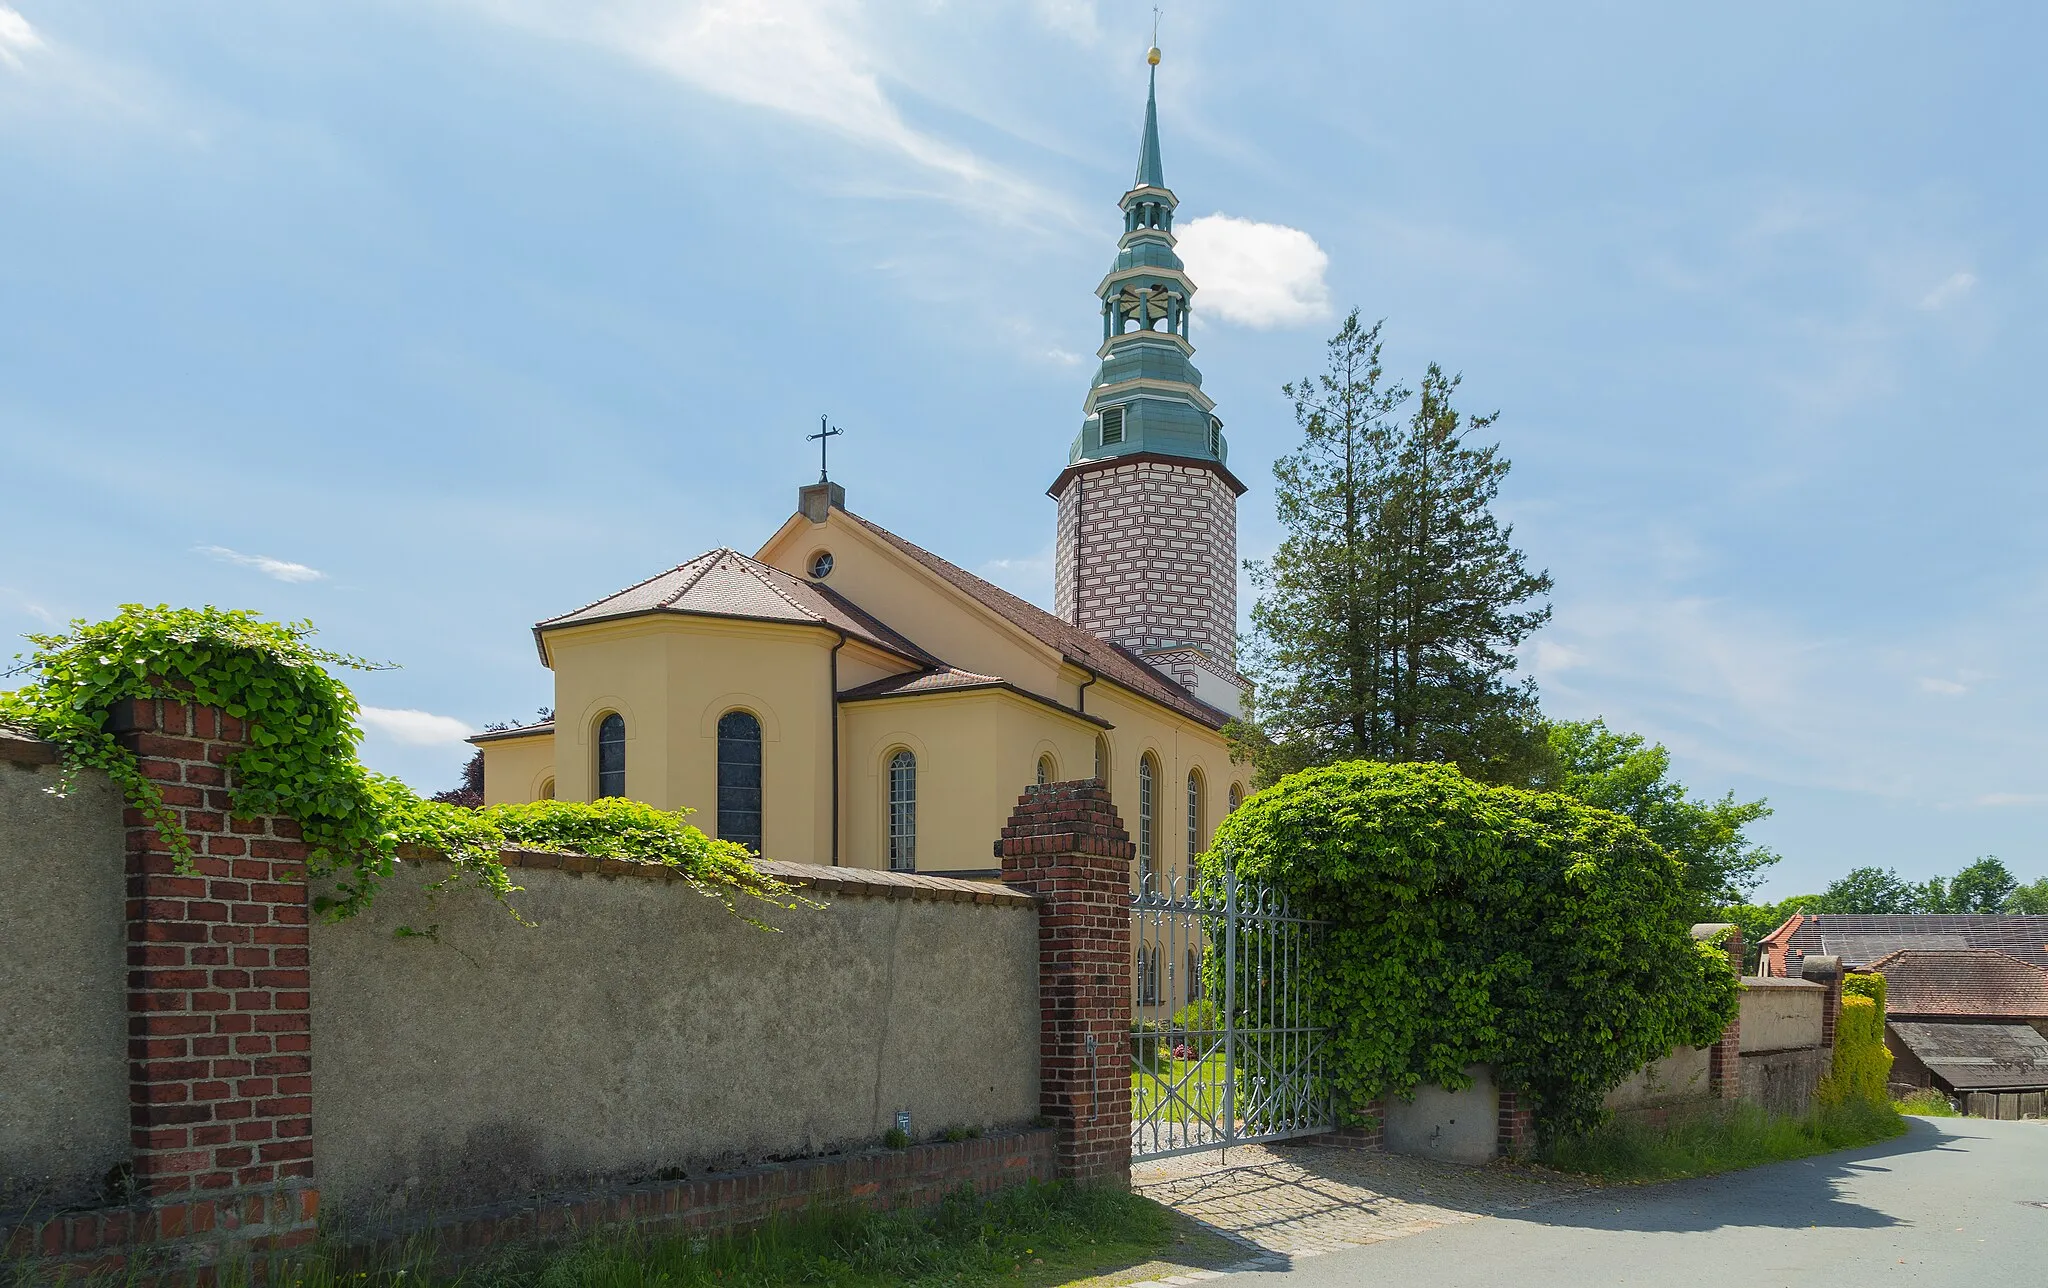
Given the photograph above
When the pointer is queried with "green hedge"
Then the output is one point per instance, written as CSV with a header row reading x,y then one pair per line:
x,y
1473,924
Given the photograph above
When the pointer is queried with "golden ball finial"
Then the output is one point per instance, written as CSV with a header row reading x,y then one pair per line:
x,y
1152,55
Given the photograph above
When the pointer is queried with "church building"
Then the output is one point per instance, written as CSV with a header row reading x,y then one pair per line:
x,y
842,696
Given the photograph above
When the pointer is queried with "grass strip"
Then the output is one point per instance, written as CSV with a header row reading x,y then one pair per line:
x,y
1719,1140
1927,1103
1034,1234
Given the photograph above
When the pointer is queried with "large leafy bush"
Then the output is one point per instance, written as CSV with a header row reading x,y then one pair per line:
x,y
1862,1063
1473,924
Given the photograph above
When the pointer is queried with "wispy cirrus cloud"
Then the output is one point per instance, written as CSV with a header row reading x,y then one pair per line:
x,y
1259,275
812,60
17,37
1953,289
413,727
280,569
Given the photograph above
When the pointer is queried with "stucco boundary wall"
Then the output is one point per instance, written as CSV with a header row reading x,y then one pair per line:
x,y
638,1029
630,1050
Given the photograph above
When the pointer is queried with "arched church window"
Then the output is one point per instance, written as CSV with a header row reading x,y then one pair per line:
x,y
547,789
903,812
611,756
1236,796
739,779
1194,818
1194,975
1045,770
1147,771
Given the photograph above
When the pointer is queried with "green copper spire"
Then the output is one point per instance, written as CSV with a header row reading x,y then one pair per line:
x,y
1150,174
1147,396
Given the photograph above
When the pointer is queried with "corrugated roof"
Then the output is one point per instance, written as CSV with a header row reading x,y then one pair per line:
x,y
2005,1057
1112,662
1861,938
726,583
1972,982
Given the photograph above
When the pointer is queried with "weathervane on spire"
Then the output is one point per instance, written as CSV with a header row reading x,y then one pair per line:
x,y
823,436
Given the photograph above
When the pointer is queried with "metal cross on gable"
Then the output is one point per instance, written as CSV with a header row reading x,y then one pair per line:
x,y
824,437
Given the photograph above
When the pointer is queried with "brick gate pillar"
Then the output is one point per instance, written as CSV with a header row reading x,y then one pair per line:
x,y
1826,970
1066,845
219,1017
1724,1058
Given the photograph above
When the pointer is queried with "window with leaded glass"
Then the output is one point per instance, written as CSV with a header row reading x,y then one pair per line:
x,y
739,779
611,756
1145,850
903,812
1194,819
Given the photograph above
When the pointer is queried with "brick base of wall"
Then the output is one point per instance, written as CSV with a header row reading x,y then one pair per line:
x,y
192,1236
203,1234
1370,1133
875,1180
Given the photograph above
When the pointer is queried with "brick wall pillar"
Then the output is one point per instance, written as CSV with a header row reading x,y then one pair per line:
x,y
219,1021
1826,970
1515,1133
1724,1058
1066,845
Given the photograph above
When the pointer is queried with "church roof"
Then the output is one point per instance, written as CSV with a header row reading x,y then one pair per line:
x,y
1112,662
1861,938
726,583
947,679
1150,173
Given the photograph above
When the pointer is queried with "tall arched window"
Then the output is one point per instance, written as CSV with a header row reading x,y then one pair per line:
x,y
1102,760
903,812
1194,818
1148,975
611,756
739,779
1194,974
1146,851
1045,770
1236,795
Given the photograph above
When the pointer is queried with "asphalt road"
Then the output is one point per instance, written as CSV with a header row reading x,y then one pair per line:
x,y
1954,1201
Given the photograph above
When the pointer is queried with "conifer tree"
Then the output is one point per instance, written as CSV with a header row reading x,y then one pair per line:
x,y
1387,620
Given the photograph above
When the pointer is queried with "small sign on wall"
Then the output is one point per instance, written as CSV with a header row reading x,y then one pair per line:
x,y
903,1121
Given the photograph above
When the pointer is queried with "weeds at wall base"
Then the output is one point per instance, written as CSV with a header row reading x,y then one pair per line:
x,y
1033,1234
1718,1139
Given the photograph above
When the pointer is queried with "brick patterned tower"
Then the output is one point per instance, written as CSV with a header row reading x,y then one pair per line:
x,y
1146,551
1065,844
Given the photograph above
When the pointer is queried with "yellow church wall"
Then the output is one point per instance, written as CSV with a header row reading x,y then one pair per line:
x,y
518,769
976,751
1178,746
933,615
672,678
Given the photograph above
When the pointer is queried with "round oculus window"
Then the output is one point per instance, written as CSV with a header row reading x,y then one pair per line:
x,y
821,564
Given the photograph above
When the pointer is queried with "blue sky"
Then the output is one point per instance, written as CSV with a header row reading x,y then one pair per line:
x,y
428,320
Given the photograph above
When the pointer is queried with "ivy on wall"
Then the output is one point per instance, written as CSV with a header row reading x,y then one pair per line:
x,y
300,760
1481,925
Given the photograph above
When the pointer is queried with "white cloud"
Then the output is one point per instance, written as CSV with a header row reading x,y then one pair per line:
x,y
1077,20
805,58
414,728
16,37
2012,798
1029,577
1947,688
1262,275
281,569
1952,289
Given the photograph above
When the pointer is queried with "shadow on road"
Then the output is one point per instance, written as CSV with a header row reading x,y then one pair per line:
x,y
1806,1193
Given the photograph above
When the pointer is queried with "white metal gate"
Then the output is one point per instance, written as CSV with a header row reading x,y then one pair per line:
x,y
1225,1046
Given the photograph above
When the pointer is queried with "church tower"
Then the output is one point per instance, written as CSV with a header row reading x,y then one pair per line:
x,y
1146,554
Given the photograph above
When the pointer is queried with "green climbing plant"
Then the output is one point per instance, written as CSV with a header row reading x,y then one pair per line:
x,y
300,759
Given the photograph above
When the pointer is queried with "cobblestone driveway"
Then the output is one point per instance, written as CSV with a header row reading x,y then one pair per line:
x,y
1281,1203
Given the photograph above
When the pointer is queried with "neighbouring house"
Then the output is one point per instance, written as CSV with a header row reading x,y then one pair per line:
x,y
843,696
1859,939
1967,1020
